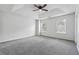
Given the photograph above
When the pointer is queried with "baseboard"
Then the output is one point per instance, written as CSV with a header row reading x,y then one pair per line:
x,y
16,38
57,38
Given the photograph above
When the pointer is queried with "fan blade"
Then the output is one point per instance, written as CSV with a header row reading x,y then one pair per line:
x,y
44,5
44,9
36,6
36,10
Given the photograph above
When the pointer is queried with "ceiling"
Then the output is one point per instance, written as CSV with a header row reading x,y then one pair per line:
x,y
25,9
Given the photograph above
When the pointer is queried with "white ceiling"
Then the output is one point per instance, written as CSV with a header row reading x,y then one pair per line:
x,y
10,7
25,9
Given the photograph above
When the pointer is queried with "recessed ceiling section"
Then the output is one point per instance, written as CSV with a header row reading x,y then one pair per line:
x,y
6,7
17,7
52,12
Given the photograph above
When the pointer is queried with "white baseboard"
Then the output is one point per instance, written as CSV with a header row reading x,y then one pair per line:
x,y
15,38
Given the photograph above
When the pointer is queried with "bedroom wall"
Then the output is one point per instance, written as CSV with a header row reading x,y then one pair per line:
x,y
14,26
51,27
1,26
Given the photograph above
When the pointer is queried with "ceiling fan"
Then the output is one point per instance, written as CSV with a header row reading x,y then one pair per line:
x,y
40,7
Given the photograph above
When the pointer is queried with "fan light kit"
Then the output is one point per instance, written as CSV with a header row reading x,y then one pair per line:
x,y
40,7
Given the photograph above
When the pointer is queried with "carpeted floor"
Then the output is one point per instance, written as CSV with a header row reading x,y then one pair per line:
x,y
38,45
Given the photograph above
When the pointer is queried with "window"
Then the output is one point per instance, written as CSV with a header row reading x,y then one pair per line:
x,y
61,26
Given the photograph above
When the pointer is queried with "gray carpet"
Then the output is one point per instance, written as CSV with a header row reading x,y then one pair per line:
x,y
38,45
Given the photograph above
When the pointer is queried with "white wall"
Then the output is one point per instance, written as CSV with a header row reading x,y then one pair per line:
x,y
51,27
14,26
1,26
